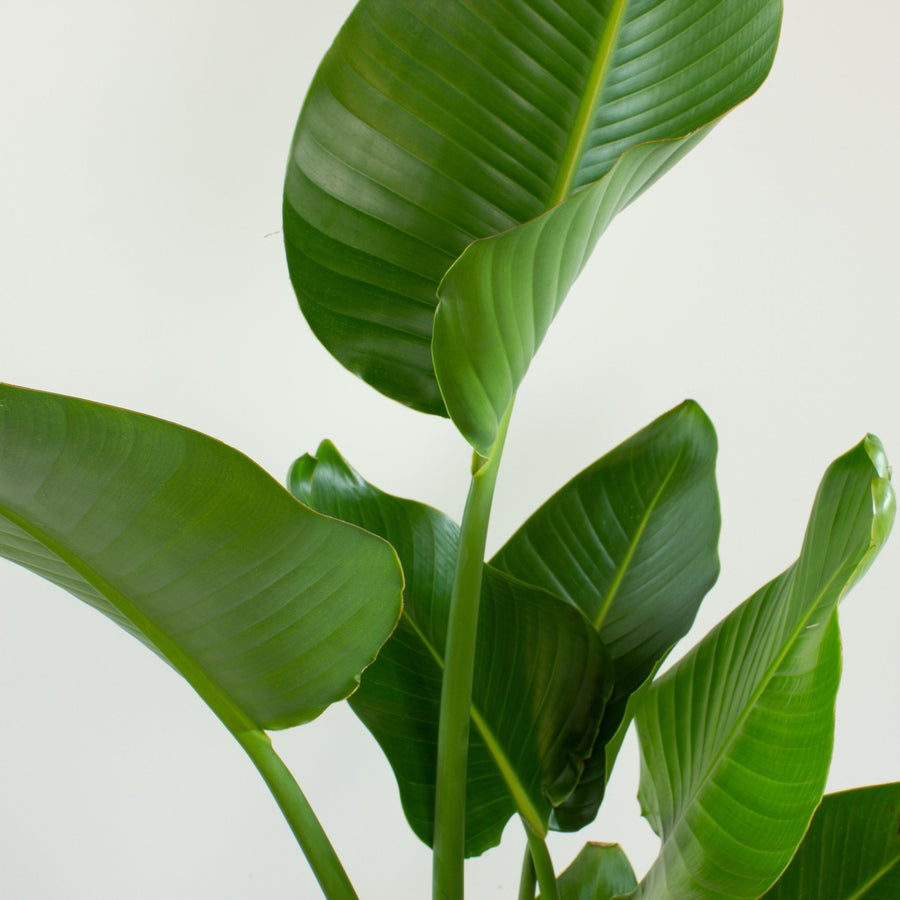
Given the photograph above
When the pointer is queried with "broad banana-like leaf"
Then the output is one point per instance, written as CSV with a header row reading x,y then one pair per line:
x,y
431,124
736,739
632,542
271,611
599,872
542,675
851,851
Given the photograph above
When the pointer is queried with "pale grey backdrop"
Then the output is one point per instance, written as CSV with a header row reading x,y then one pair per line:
x,y
142,152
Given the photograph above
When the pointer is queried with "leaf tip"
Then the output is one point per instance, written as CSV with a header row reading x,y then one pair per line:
x,y
300,476
875,451
884,501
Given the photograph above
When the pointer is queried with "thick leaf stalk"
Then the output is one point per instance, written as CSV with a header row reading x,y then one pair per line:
x,y
456,694
543,865
305,826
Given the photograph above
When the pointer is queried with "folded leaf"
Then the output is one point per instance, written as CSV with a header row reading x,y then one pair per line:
x,y
736,738
631,541
499,298
851,851
430,125
268,609
542,675
599,872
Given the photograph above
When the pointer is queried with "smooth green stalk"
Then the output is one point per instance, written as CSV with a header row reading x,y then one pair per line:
x,y
456,692
303,822
528,879
543,865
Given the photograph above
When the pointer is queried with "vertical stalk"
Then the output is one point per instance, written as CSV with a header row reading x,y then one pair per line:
x,y
456,692
543,865
303,822
528,879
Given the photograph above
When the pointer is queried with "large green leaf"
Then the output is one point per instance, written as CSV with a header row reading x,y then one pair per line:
x,y
599,872
542,675
433,123
736,739
270,610
632,542
851,851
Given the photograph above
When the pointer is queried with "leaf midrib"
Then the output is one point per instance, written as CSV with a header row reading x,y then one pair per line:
x,y
507,772
861,891
764,682
568,165
633,544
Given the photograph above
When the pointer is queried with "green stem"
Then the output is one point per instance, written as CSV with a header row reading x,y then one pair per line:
x,y
456,692
528,880
543,865
303,822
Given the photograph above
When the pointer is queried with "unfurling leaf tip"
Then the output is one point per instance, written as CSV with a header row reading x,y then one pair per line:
x,y
875,451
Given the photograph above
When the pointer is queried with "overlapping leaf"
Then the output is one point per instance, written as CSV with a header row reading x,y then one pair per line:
x,y
851,851
270,610
599,872
432,124
542,675
736,739
632,542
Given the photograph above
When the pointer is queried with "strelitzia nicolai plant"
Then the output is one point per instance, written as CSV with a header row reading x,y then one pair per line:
x,y
442,194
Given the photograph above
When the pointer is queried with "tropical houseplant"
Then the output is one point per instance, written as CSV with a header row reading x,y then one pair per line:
x,y
237,494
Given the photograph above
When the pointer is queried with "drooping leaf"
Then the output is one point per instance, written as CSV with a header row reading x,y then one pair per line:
x,y
736,738
599,872
542,675
632,542
270,610
851,851
432,124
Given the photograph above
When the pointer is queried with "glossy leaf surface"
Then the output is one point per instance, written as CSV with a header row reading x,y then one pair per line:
x,y
542,675
736,739
851,851
632,542
270,610
599,872
432,124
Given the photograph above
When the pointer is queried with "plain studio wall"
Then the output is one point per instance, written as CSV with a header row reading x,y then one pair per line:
x,y
140,187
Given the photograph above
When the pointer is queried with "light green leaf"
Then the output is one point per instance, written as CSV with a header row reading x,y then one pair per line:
x,y
851,851
599,872
431,124
499,298
270,610
632,542
736,738
542,675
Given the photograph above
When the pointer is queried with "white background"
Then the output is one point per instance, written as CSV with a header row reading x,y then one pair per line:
x,y
142,151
